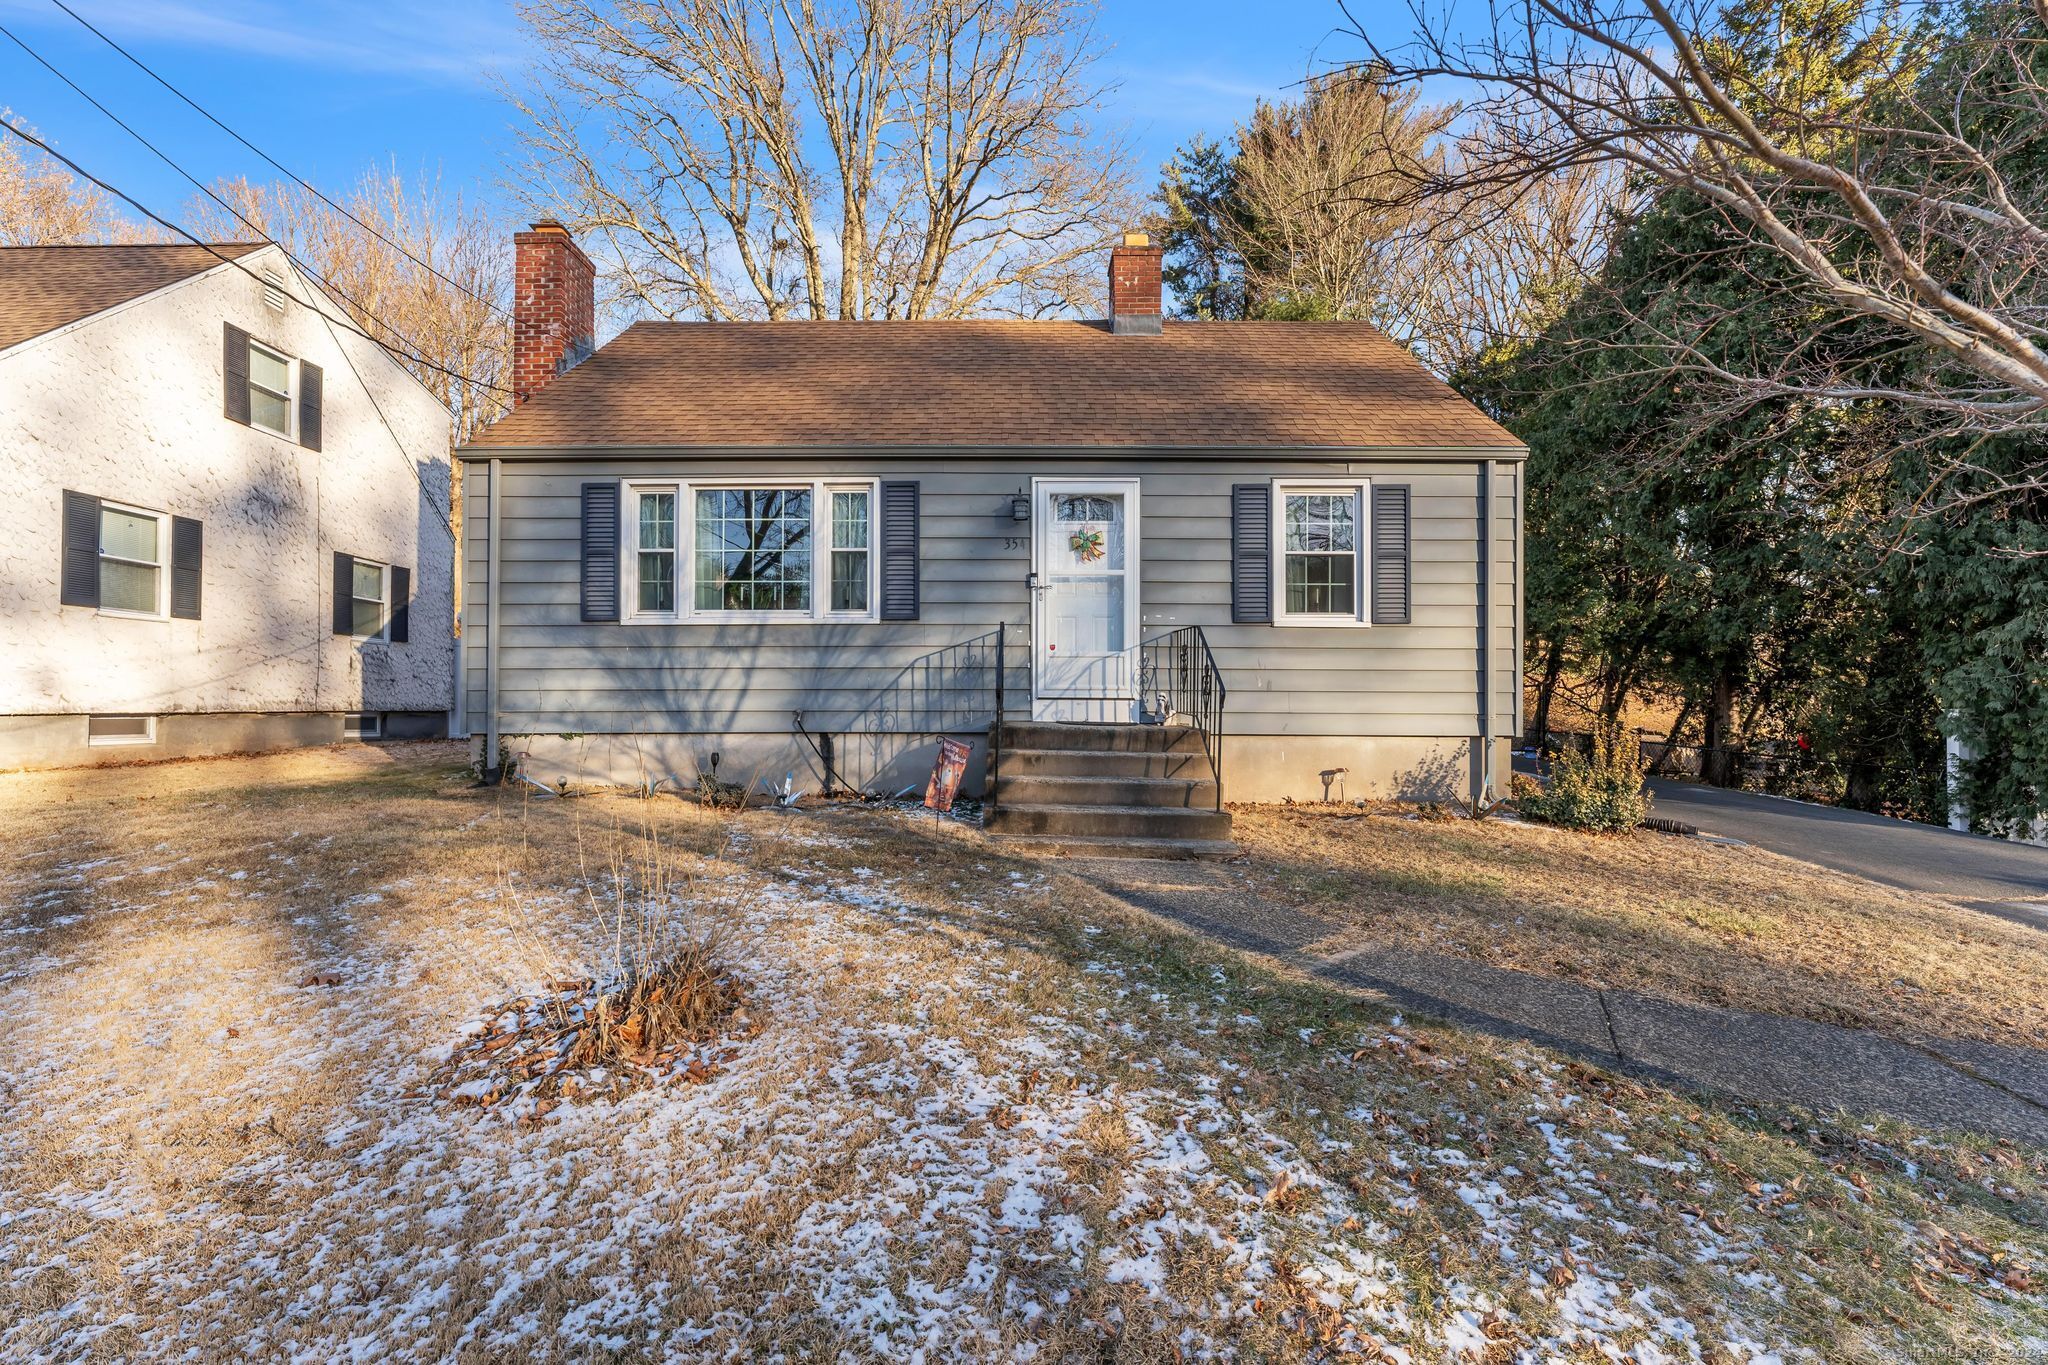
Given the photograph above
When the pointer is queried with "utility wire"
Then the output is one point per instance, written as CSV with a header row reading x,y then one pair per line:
x,y
194,181
188,235
403,454
274,162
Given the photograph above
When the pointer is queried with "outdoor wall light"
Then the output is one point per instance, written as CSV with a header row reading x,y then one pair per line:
x,y
1020,508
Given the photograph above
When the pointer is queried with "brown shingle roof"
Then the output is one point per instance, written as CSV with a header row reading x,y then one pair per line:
x,y
45,287
1064,385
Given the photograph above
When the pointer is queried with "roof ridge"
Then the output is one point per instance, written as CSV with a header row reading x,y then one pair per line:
x,y
131,246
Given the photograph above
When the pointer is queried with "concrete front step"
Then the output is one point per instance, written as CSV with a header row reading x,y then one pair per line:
x,y
1109,821
1072,846
1035,789
1150,739
1190,766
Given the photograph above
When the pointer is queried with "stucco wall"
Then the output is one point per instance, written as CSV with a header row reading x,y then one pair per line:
x,y
127,407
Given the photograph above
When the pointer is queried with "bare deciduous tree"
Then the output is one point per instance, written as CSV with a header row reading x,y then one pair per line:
x,y
1901,183
43,204
1478,272
455,318
1321,224
827,158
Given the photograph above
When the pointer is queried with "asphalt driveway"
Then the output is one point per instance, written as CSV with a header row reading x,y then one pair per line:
x,y
1994,874
1915,857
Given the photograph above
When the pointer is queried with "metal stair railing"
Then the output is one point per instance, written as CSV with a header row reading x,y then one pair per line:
x,y
1177,676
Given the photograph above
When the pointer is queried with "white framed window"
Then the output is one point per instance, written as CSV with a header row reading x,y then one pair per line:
x,y
134,543
110,730
370,600
1320,552
852,550
270,389
758,550
656,550
362,725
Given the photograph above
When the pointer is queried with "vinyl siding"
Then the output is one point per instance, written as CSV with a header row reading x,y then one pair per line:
x,y
559,674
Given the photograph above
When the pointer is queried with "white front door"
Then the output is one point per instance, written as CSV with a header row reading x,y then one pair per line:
x,y
1085,638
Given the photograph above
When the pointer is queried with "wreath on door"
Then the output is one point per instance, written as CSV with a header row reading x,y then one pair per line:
x,y
1086,544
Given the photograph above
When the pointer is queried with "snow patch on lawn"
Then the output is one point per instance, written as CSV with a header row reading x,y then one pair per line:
x,y
912,1161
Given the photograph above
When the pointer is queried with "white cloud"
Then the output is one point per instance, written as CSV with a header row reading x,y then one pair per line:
x,y
450,40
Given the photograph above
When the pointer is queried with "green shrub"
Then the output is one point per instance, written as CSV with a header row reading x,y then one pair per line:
x,y
1602,793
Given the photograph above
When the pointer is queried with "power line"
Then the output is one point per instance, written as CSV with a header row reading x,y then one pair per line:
x,y
349,360
404,455
194,181
188,235
274,162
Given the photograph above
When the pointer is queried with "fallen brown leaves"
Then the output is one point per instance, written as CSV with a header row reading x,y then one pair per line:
x,y
679,1021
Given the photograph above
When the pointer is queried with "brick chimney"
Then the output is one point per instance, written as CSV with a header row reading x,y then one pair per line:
x,y
1134,288
554,307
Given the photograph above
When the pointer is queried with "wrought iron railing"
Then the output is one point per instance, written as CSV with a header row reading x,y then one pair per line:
x,y
1179,683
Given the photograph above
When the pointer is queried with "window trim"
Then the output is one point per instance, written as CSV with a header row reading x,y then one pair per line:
x,y
383,632
119,741
162,565
687,611
290,395
1361,492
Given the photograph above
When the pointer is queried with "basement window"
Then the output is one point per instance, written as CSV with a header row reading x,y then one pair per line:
x,y
362,725
120,730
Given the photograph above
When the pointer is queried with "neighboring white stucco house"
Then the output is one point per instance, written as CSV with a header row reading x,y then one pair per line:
x,y
228,512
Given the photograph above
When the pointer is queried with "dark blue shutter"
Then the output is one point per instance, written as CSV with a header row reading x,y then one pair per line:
x,y
187,550
80,585
1251,553
309,405
401,605
344,594
234,369
600,551
1392,590
900,545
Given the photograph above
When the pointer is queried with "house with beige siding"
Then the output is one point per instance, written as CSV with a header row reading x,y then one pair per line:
x,y
228,526
1142,566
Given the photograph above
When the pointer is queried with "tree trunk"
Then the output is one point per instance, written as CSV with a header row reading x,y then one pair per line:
x,y
1717,757
1553,669
1663,763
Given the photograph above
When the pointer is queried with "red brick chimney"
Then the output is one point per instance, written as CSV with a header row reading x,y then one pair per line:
x,y
554,307
1135,292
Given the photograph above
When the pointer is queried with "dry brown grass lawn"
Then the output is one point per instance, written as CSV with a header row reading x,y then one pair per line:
x,y
1682,918
990,1113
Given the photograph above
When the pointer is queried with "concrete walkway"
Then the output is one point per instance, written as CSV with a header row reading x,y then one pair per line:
x,y
1994,1090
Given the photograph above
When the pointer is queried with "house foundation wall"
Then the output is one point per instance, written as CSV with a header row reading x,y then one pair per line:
x,y
1256,768
62,741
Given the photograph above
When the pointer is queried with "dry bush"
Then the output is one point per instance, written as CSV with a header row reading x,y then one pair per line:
x,y
658,1001
1603,793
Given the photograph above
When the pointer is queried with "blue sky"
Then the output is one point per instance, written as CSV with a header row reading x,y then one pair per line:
x,y
331,88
